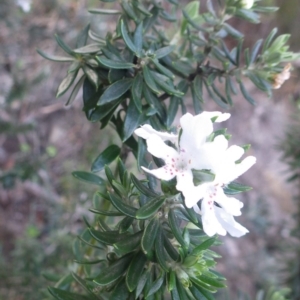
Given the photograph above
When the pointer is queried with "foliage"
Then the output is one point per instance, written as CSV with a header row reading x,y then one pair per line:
x,y
145,243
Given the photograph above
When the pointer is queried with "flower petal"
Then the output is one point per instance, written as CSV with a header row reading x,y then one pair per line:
x,y
147,130
210,155
227,221
160,173
211,224
220,116
229,204
195,130
158,148
239,169
192,194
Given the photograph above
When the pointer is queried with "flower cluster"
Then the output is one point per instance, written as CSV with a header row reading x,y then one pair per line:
x,y
195,150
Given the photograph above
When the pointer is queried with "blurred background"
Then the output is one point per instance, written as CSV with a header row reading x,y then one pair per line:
x,y
42,142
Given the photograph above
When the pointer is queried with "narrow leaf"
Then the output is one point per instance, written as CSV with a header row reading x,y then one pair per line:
x,y
136,91
113,271
150,208
65,295
63,45
142,188
115,91
105,158
122,206
108,237
149,236
105,11
88,177
127,39
246,94
138,38
113,64
135,270
54,58
66,83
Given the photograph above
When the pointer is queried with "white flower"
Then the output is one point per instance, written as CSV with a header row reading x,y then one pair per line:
x,y
196,153
180,163
217,209
247,4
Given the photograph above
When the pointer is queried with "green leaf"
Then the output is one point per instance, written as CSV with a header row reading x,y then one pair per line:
x,y
125,224
105,158
192,9
108,237
175,294
232,31
170,248
156,285
54,58
167,86
203,246
163,51
173,222
140,7
228,53
103,111
88,49
135,271
121,206
128,9
269,39
149,80
150,208
255,50
136,91
149,236
113,64
105,11
200,176
246,94
172,110
211,281
91,75
138,38
120,292
200,284
130,243
65,295
88,262
214,96
160,251
115,91
132,120
235,188
75,90
197,294
82,37
163,69
228,85
143,281
127,39
106,212
66,83
247,15
116,74
113,271
88,177
142,188
63,45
